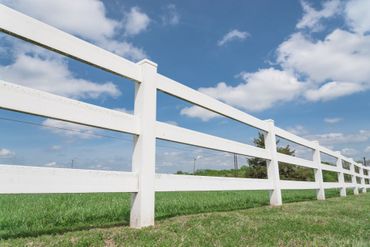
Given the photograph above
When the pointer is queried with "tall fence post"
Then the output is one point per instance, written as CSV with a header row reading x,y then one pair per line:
x,y
273,165
353,178
320,193
343,191
143,159
363,190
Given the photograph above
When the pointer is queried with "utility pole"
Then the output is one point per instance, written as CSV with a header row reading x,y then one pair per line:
x,y
364,161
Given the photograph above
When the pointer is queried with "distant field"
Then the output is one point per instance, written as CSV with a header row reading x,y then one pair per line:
x,y
32,215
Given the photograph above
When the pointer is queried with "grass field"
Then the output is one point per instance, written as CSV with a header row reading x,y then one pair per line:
x,y
76,219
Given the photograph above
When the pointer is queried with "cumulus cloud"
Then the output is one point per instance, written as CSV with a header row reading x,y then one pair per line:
x,y
357,14
332,120
332,90
88,19
312,17
337,138
53,75
198,112
367,149
135,21
342,56
70,130
259,91
6,153
233,35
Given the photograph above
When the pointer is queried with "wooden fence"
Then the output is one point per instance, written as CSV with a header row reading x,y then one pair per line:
x,y
143,182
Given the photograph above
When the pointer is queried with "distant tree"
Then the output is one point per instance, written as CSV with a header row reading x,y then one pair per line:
x,y
258,166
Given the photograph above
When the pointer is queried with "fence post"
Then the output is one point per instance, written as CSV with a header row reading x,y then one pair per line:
x,y
143,159
353,178
273,165
363,190
320,193
343,191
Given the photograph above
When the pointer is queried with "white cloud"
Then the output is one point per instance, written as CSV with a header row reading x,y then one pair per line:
x,y
342,56
311,18
56,147
124,49
52,74
367,149
6,153
337,138
232,36
349,152
86,19
298,130
332,90
198,112
122,109
70,130
357,14
259,91
135,21
332,120
171,16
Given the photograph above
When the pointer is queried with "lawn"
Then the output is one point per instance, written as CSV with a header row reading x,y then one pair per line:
x,y
98,219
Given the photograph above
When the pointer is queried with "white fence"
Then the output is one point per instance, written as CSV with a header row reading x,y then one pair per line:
x,y
143,182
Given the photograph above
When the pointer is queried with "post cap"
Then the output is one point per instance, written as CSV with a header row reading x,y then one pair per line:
x,y
147,61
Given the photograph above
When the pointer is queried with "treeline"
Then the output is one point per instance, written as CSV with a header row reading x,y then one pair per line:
x,y
257,168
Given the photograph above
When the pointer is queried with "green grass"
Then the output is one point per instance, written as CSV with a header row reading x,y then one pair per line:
x,y
334,222
33,215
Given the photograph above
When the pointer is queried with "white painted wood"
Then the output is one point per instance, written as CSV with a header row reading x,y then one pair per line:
x,y
320,192
330,168
332,185
273,165
354,180
298,185
343,191
23,99
143,159
37,32
26,179
363,187
178,90
296,161
174,133
169,182
143,181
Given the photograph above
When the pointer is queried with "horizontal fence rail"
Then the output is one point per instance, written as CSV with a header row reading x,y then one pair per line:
x,y
143,182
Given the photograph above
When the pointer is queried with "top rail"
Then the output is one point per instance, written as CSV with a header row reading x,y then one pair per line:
x,y
37,32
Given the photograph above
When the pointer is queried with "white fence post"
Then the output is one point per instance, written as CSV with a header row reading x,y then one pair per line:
x,y
363,190
353,177
143,160
343,191
273,165
320,193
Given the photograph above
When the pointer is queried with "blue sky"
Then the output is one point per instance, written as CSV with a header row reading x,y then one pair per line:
x,y
305,64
